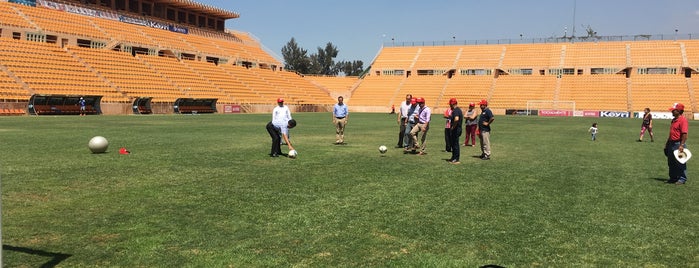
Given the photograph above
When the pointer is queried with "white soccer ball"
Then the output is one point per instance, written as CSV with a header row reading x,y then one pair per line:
x,y
293,154
98,144
383,149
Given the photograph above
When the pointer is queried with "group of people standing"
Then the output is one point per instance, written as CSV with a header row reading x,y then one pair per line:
x,y
414,117
414,121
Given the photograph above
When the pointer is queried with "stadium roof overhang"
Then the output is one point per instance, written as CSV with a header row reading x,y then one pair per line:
x,y
201,8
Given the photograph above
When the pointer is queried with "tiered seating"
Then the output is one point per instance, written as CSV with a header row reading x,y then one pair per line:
x,y
428,87
437,57
235,91
61,22
595,92
127,33
513,91
11,90
129,74
47,69
532,55
251,48
377,91
9,16
167,39
395,58
337,84
658,91
596,55
467,89
267,93
479,57
191,84
656,53
692,50
303,87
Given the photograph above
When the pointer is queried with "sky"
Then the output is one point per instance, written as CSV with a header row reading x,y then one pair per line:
x,y
359,28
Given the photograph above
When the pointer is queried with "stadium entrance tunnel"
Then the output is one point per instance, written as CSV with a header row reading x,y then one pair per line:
x,y
195,106
63,104
141,105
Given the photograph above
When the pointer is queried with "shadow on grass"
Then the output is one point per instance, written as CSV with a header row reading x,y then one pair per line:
x,y
659,179
56,258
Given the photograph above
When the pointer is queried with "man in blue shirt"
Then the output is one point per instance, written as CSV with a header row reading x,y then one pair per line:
x,y
484,122
82,106
340,118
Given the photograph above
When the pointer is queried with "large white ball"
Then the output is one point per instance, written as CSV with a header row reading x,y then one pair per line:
x,y
383,149
293,154
98,144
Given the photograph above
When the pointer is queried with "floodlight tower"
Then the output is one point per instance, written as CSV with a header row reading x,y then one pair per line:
x,y
575,5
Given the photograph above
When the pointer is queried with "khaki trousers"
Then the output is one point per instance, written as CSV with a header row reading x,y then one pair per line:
x,y
414,132
340,129
485,142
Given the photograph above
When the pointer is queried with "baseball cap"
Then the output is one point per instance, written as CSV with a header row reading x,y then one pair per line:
x,y
413,101
453,101
472,105
483,102
280,100
677,106
420,100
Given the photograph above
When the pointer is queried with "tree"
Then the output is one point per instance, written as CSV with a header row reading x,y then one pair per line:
x,y
295,58
351,68
323,62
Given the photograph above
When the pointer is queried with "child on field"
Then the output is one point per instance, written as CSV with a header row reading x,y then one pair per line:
x,y
593,131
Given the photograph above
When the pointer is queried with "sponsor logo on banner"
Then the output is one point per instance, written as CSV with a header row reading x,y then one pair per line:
x,y
591,113
231,109
614,114
555,113
658,115
520,112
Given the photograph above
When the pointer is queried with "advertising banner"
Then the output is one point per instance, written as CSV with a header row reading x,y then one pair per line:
x,y
591,113
231,109
555,113
614,114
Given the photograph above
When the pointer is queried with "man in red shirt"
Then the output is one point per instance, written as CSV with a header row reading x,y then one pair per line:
x,y
676,141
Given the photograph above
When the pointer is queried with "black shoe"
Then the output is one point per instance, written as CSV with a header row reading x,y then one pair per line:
x,y
485,158
671,180
639,140
274,155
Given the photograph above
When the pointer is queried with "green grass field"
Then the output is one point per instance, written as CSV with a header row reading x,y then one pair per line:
x,y
201,191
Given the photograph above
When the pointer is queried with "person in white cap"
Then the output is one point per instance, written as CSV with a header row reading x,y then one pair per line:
x,y
677,139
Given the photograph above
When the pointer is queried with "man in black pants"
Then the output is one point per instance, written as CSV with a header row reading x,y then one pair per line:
x,y
277,133
457,117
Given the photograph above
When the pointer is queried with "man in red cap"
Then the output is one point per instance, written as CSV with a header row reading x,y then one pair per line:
x,y
423,125
281,115
676,141
484,122
457,116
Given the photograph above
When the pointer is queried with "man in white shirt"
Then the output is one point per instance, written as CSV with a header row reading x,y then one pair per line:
x,y
402,119
281,115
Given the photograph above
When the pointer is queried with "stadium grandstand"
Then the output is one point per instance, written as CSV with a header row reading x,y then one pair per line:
x,y
624,76
123,52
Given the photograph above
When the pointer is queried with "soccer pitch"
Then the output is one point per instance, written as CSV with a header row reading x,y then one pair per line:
x,y
201,191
